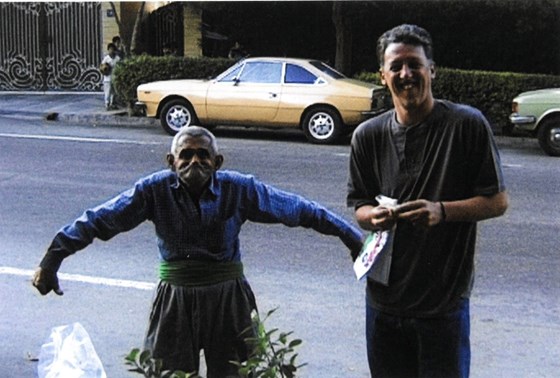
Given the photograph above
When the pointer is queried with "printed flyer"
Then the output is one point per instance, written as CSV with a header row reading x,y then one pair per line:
x,y
378,247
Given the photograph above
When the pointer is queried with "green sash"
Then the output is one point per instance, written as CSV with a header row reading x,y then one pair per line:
x,y
199,273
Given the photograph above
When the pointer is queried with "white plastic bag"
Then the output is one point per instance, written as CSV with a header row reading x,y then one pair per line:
x,y
69,353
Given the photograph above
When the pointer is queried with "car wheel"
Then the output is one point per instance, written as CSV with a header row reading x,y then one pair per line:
x,y
322,125
176,114
549,136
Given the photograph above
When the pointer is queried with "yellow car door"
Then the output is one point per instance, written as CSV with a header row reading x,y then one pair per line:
x,y
250,95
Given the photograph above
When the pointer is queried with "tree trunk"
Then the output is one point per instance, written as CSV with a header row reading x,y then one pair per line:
x,y
136,30
343,28
119,25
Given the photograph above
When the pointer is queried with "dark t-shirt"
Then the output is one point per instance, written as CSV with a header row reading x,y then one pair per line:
x,y
449,156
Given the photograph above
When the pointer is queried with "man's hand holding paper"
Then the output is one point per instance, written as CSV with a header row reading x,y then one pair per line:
x,y
380,242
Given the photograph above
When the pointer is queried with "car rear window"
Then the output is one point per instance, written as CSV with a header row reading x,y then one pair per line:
x,y
326,69
298,75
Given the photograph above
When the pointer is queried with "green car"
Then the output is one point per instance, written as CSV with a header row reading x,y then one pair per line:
x,y
539,113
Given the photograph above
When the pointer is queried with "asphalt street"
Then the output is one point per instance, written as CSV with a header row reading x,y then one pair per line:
x,y
51,171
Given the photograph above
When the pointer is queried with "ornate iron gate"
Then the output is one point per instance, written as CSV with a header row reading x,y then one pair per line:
x,y
164,27
50,46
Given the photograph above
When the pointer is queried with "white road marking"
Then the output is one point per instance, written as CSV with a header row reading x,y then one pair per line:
x,y
75,139
140,285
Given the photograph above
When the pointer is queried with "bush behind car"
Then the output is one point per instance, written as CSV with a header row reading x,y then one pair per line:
x,y
141,69
491,92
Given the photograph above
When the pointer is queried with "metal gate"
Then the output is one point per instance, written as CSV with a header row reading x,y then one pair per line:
x,y
164,28
50,46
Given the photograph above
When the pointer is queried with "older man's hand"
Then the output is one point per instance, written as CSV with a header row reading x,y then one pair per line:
x,y
46,280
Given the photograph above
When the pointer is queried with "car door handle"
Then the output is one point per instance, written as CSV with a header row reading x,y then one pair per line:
x,y
272,95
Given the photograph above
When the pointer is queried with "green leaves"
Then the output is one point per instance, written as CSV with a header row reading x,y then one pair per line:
x,y
273,353
142,362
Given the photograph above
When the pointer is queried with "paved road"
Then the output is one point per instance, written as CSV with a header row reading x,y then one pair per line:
x,y
50,172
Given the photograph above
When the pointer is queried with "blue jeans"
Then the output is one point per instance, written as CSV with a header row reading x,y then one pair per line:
x,y
419,347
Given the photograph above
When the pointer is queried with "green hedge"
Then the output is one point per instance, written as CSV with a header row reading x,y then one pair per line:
x,y
491,92
137,70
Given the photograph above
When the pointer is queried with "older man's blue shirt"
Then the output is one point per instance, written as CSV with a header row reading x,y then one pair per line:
x,y
208,231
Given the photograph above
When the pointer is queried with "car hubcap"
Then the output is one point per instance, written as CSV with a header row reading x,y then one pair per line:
x,y
554,136
321,126
178,117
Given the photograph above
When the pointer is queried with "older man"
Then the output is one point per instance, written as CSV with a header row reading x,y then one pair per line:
x,y
203,300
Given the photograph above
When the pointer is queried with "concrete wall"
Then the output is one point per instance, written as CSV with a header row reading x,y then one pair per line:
x,y
109,24
192,37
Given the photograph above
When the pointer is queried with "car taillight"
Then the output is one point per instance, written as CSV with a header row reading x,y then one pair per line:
x,y
514,107
378,99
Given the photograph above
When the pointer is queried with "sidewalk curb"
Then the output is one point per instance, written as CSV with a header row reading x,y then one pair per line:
x,y
125,120
145,122
516,141
107,120
114,118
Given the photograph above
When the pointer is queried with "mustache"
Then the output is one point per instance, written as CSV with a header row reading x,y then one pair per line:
x,y
193,167
408,82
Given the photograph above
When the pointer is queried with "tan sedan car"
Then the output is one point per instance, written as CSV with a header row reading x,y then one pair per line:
x,y
268,92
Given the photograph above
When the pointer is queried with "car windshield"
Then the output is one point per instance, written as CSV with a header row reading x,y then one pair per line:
x,y
326,69
231,73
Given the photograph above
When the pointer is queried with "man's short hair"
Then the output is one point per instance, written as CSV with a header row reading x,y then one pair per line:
x,y
111,46
407,34
194,132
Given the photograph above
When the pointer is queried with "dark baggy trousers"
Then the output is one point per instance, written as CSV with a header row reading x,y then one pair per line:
x,y
215,318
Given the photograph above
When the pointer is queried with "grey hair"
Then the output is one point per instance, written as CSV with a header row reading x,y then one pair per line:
x,y
407,34
194,132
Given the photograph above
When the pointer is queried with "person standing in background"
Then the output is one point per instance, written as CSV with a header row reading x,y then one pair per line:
x,y
107,65
119,47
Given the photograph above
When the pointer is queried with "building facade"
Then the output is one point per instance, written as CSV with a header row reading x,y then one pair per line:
x,y
58,46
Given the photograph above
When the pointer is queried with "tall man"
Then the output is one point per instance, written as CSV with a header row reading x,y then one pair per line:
x,y
203,300
439,160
